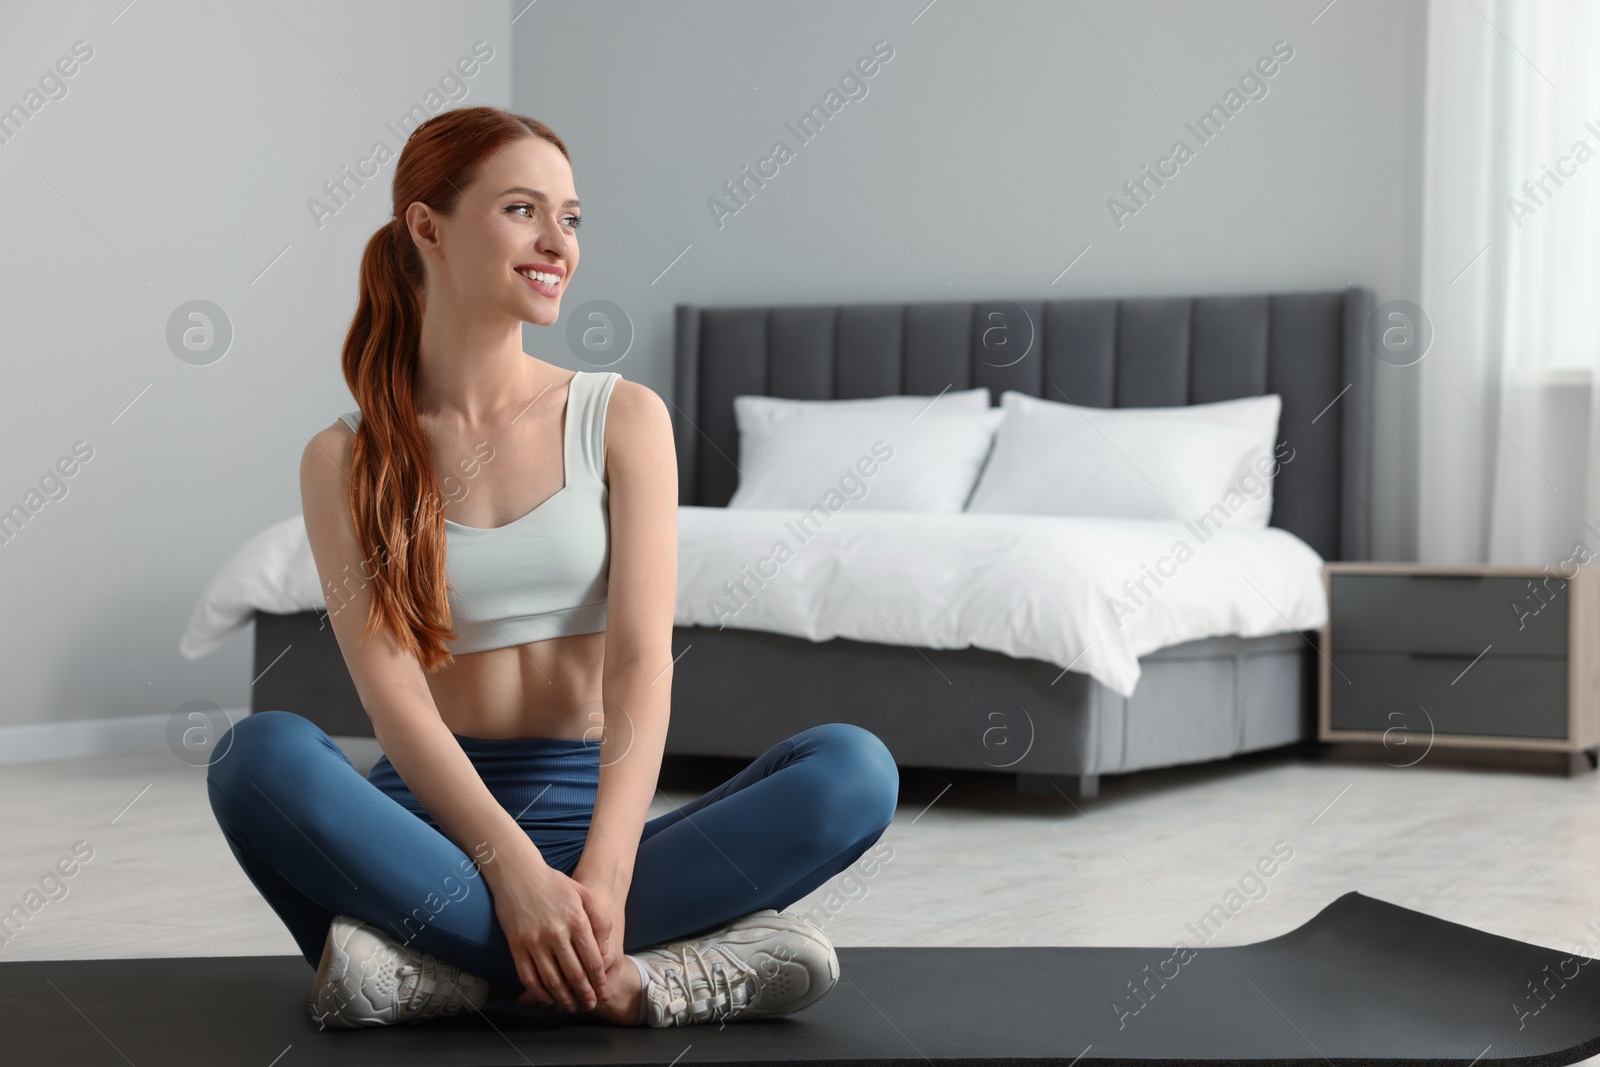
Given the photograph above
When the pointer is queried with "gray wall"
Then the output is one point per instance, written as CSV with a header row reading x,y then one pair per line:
x,y
980,160
178,166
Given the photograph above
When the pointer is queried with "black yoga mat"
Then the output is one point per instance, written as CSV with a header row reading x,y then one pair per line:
x,y
1363,982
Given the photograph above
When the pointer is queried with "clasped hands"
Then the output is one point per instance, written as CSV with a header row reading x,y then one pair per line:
x,y
565,932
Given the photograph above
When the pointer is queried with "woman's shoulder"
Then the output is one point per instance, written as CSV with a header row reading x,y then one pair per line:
x,y
342,428
632,403
327,452
636,421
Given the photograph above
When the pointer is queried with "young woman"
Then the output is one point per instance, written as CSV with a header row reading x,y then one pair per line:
x,y
497,542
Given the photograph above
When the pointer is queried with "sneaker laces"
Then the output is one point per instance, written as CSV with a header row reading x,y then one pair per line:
x,y
424,995
696,970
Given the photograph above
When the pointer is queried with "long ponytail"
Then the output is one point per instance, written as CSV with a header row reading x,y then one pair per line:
x,y
397,511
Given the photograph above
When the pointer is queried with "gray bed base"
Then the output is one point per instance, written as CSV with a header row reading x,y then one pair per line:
x,y
972,709
736,692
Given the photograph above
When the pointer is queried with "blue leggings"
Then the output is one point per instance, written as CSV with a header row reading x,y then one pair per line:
x,y
317,839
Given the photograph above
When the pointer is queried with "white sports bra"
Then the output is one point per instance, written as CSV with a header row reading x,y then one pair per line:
x,y
545,574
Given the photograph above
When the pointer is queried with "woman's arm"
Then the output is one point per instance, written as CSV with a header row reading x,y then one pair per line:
x,y
543,913
642,470
391,682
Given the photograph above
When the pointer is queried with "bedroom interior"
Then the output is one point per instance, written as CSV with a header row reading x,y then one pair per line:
x,y
1215,556
1233,691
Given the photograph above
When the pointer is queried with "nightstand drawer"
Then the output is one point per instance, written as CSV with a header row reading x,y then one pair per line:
x,y
1446,613
1500,696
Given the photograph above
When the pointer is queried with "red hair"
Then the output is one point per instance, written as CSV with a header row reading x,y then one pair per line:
x,y
398,515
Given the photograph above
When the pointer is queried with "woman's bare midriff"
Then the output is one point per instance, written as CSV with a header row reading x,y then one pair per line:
x,y
543,689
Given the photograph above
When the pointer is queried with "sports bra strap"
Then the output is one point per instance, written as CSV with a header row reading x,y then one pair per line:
x,y
586,415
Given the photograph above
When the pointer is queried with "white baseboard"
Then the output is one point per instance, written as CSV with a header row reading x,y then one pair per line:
x,y
37,742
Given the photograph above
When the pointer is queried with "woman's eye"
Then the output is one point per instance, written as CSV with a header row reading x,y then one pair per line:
x,y
570,221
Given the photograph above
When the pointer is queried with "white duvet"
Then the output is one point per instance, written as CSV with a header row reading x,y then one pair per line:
x,y
1076,592
1092,595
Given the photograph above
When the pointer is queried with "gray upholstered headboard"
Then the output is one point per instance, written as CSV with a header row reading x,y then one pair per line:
x,y
1149,352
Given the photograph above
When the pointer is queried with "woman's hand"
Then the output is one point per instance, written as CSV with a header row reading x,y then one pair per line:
x,y
545,916
606,904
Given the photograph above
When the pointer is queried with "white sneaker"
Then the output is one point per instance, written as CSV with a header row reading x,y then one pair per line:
x,y
764,964
368,978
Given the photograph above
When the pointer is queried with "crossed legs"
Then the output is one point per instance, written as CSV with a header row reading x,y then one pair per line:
x,y
317,839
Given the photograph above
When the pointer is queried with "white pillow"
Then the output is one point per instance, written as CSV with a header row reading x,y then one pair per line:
x,y
879,453
1135,463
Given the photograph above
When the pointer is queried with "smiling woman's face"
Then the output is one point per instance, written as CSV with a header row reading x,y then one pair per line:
x,y
518,218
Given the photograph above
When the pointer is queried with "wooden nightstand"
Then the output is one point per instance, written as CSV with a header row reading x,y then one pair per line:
x,y
1417,656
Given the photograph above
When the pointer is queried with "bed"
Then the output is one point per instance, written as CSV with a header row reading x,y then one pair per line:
x,y
983,710
737,690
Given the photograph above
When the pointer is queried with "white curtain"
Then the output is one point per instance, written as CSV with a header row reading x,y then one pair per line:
x,y
1511,282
